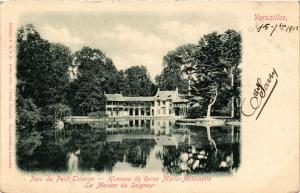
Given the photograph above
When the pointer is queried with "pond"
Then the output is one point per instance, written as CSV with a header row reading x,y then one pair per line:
x,y
153,145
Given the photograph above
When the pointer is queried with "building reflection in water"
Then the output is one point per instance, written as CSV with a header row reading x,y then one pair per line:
x,y
149,145
180,148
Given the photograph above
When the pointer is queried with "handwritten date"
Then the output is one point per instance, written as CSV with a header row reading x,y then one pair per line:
x,y
272,28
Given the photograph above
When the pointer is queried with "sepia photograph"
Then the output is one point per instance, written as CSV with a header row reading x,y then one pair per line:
x,y
155,96
113,92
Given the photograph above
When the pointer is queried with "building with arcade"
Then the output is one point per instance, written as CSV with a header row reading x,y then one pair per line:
x,y
163,104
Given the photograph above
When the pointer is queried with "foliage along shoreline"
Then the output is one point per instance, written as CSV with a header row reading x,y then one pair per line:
x,y
52,82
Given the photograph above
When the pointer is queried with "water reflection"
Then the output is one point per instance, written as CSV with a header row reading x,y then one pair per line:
x,y
73,161
136,144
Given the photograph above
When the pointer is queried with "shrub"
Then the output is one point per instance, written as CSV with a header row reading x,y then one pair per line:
x,y
196,112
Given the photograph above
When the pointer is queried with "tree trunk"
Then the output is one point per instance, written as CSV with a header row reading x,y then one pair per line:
x,y
232,141
232,107
212,142
211,104
208,133
232,98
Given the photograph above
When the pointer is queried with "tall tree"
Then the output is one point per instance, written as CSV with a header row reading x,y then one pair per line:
x,y
59,77
42,73
32,55
139,83
42,67
177,69
210,68
95,75
231,56
211,76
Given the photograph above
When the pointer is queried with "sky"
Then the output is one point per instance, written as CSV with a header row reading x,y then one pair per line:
x,y
128,38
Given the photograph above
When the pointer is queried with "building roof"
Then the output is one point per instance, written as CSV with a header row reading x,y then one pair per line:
x,y
164,95
114,97
173,95
120,97
139,98
160,95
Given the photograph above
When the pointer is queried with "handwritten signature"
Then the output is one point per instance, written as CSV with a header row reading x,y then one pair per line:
x,y
259,94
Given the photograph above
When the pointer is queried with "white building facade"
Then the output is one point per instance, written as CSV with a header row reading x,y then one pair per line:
x,y
163,104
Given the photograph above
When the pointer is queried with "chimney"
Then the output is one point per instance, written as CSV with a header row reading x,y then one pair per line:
x,y
176,89
158,89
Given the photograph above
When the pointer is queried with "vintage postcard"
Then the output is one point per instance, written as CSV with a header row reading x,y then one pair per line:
x,y
149,96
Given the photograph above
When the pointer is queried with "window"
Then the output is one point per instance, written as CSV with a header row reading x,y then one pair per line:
x,y
148,112
164,111
158,112
158,103
136,112
136,123
164,103
130,123
130,112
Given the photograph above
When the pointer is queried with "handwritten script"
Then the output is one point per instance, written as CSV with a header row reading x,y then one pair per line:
x,y
271,28
262,91
273,24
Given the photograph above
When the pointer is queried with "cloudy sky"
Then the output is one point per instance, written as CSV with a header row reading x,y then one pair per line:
x,y
129,38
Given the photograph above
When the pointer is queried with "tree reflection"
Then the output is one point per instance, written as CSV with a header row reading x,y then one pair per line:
x,y
212,155
109,155
138,151
208,149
